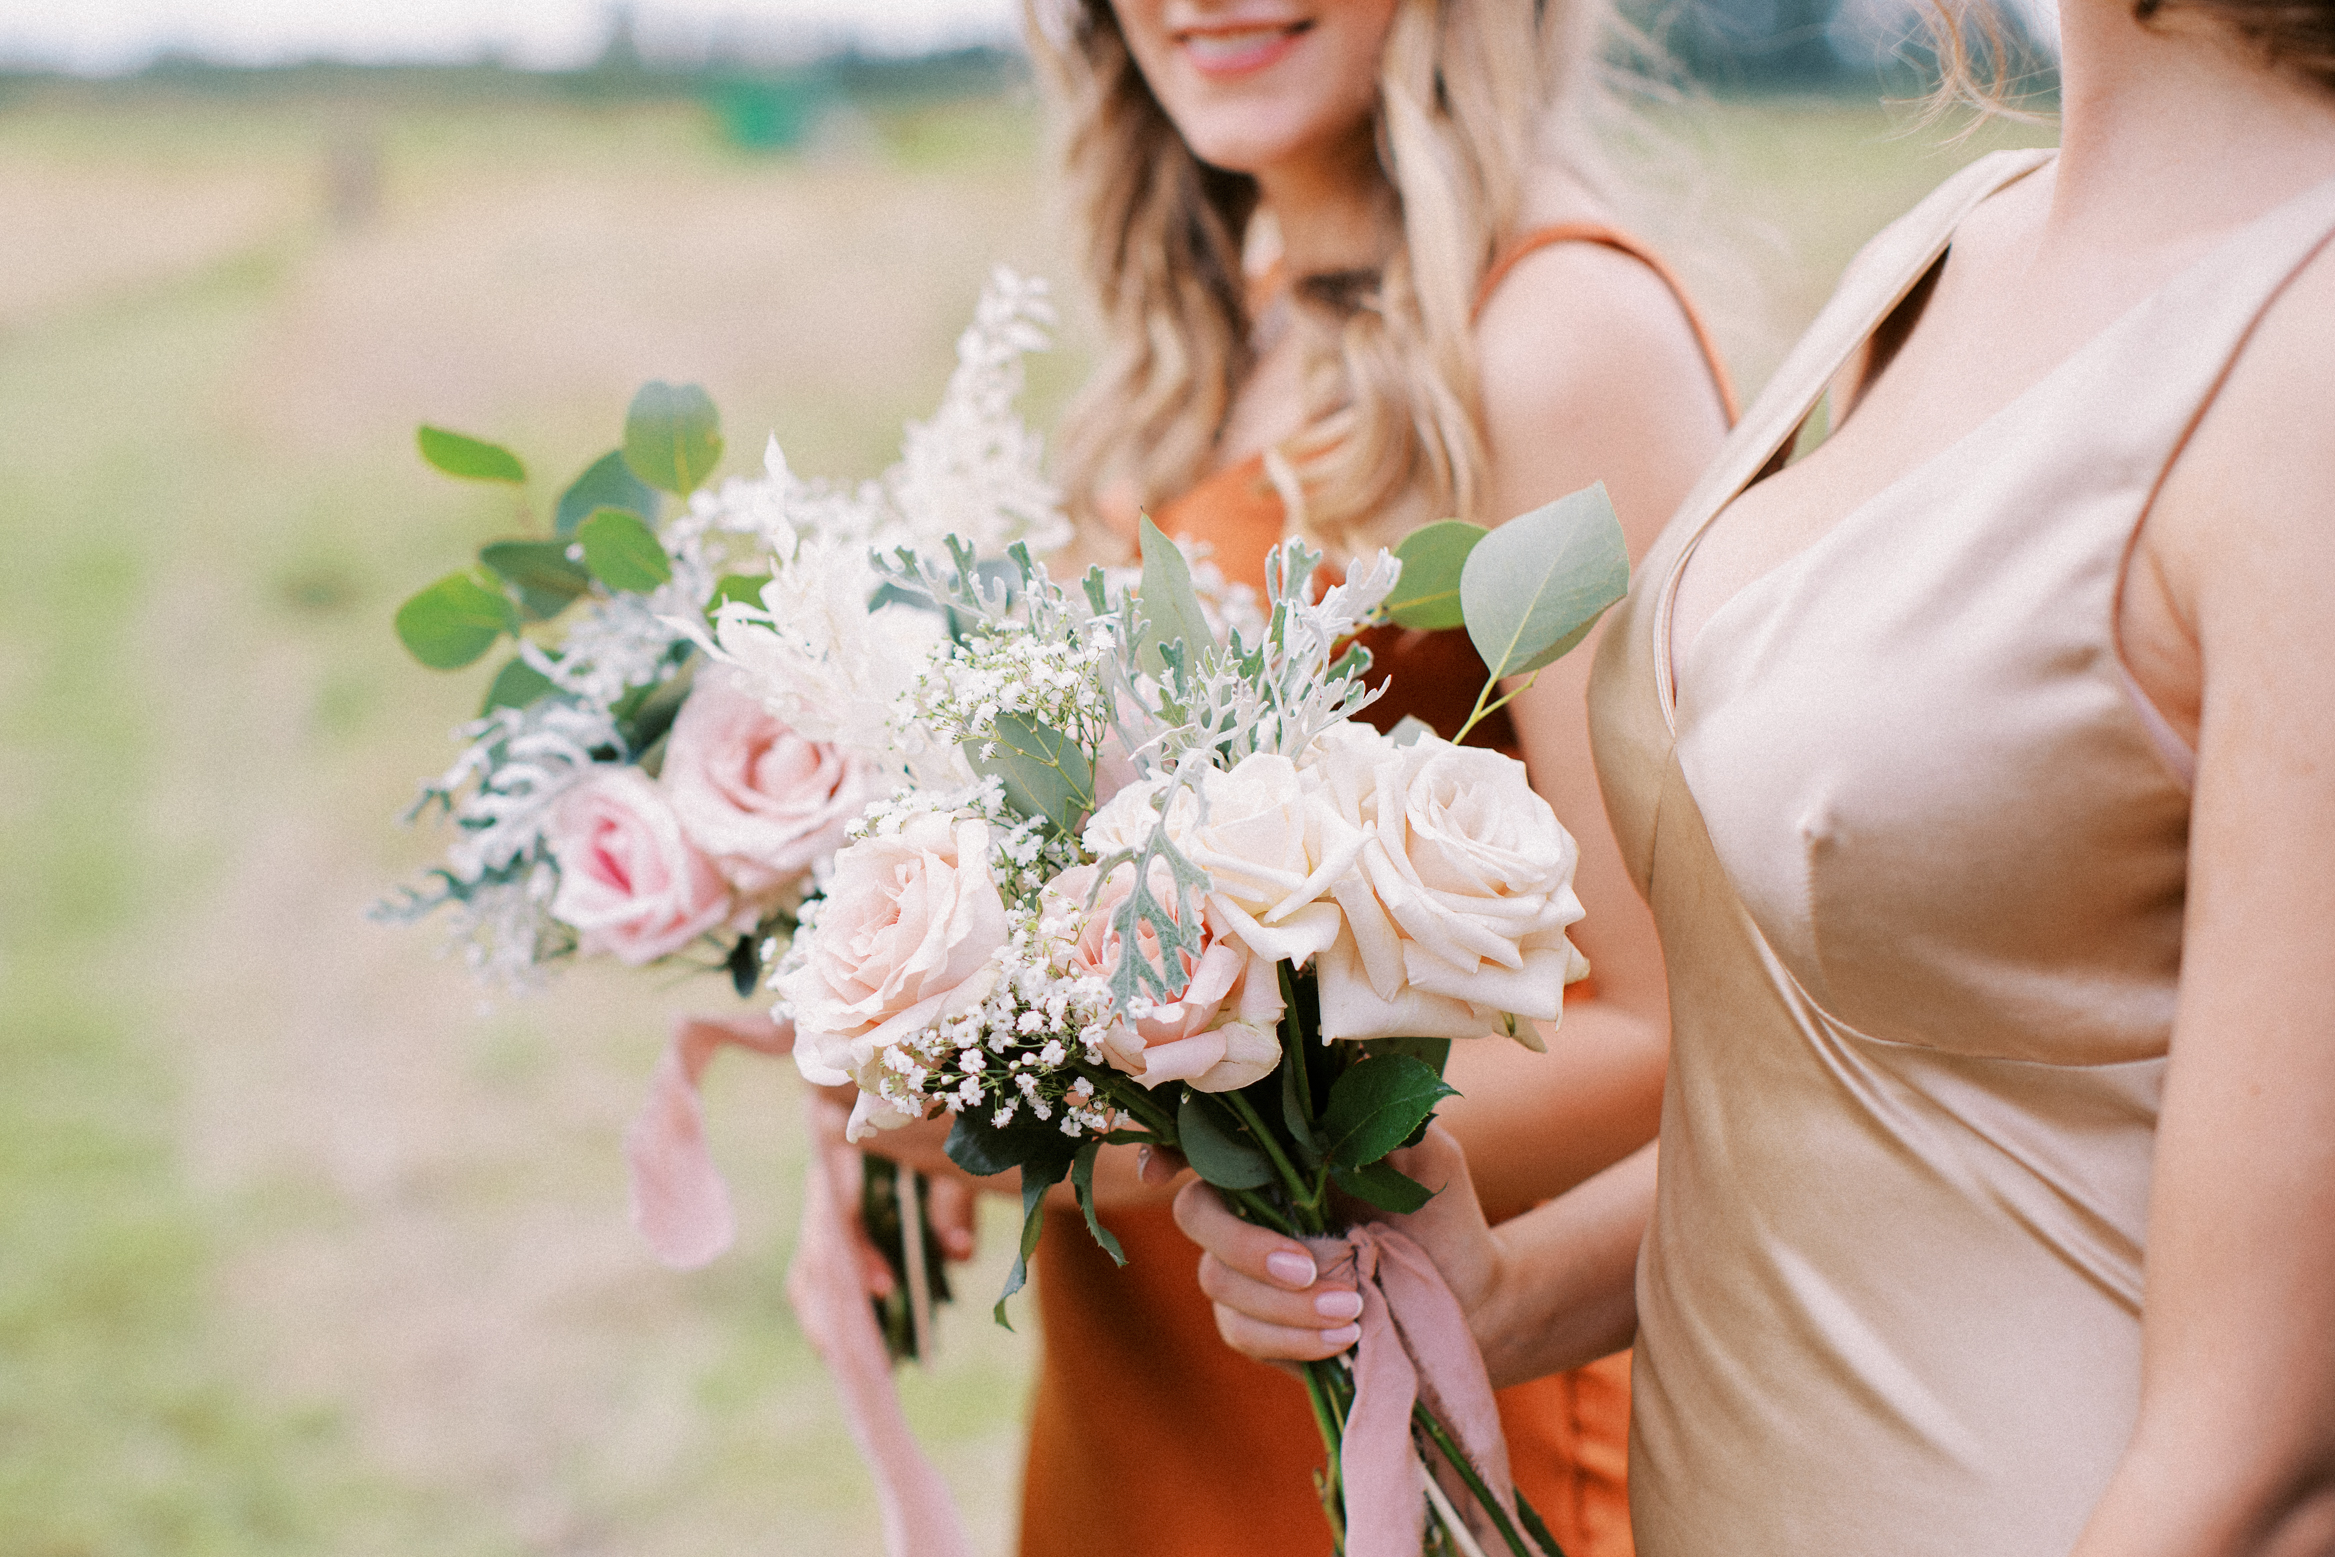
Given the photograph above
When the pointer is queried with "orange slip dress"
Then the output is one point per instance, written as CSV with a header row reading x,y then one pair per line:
x,y
1149,1437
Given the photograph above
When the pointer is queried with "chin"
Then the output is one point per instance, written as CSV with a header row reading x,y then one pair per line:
x,y
1248,145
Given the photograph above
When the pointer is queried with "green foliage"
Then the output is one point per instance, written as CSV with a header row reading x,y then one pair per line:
x,y
1209,1143
1082,1183
672,437
745,965
1037,1178
1433,556
1377,1105
622,552
473,459
543,573
454,621
606,483
1044,771
1385,1187
1534,587
516,685
736,588
1171,608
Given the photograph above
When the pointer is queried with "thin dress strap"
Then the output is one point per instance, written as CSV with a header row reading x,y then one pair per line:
x,y
1613,238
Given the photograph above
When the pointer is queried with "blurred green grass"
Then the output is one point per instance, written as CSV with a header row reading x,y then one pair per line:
x,y
301,1249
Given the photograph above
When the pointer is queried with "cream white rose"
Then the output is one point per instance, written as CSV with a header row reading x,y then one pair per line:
x,y
1456,911
904,939
1268,885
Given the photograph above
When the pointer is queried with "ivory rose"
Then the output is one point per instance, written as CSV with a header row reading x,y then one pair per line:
x,y
765,803
629,883
1455,914
1219,1034
904,938
1268,885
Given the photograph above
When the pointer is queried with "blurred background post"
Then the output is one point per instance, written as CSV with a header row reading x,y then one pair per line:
x,y
303,1247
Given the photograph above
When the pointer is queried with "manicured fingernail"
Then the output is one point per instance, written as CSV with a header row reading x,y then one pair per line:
x,y
1339,1305
1342,1337
1143,1162
1291,1270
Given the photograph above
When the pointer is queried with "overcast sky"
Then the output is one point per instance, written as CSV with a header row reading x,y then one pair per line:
x,y
113,35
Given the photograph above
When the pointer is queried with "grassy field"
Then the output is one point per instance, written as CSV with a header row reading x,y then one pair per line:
x,y
304,1248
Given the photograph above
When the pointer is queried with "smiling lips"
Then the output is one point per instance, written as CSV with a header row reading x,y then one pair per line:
x,y
1220,52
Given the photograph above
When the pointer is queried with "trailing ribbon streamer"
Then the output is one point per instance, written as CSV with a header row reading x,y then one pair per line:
x,y
1415,1342
828,1289
679,1202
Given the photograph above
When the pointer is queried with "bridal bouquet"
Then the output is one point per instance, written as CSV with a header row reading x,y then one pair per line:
x,y
622,795
1151,880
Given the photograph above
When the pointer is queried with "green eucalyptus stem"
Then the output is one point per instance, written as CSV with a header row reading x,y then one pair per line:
x,y
1481,712
1262,1211
1291,1180
1437,1434
1321,1394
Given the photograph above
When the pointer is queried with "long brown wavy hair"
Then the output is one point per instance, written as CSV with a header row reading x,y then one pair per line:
x,y
1471,94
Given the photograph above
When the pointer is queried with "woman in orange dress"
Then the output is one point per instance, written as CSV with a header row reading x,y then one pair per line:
x,y
1355,277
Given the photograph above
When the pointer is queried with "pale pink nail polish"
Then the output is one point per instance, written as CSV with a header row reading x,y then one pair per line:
x,y
1342,1337
1339,1305
1294,1271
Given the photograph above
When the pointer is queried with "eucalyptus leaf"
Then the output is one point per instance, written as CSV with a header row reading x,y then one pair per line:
x,y
672,437
454,621
473,459
1212,1149
1388,1188
1082,1183
547,578
623,552
1044,772
1037,1178
1171,608
1534,587
1376,1105
606,483
736,588
517,685
1427,595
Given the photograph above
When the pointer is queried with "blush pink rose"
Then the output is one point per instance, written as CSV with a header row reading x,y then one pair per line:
x,y
1219,1034
629,883
905,937
762,801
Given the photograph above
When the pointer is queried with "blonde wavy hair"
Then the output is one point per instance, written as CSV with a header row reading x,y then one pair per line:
x,y
1470,94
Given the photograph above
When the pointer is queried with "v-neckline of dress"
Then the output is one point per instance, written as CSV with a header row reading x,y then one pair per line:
x,y
1670,659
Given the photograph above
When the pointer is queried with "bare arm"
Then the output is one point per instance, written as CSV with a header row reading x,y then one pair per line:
x,y
2234,1452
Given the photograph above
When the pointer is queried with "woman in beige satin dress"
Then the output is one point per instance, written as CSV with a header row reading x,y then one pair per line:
x,y
1980,771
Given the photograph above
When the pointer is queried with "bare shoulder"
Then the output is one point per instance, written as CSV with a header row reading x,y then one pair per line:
x,y
2248,512
1590,371
1573,324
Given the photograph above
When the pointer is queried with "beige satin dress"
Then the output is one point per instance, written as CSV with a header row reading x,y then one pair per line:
x,y
1917,849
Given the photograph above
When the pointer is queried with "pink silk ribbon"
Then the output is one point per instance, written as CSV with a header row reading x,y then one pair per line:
x,y
679,1202
682,1208
828,1289
1415,1341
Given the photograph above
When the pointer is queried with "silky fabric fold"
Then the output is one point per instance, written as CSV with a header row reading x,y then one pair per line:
x,y
679,1202
1415,1343
827,1289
